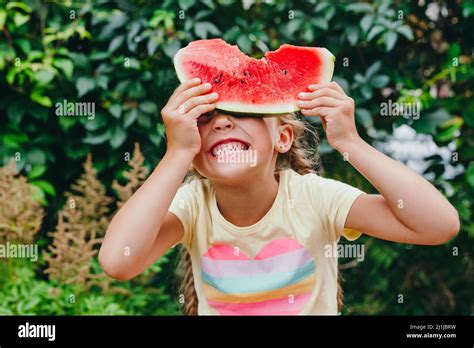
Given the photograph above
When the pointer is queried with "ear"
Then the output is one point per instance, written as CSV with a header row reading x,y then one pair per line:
x,y
285,139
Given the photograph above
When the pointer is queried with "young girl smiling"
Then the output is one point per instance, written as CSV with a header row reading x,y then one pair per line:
x,y
257,234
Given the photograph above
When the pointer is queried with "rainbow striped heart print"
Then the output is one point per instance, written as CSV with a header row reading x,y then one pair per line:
x,y
278,281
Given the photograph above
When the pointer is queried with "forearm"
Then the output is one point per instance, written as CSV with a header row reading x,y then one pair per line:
x,y
413,200
134,228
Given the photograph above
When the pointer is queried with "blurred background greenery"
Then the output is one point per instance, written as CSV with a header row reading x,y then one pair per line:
x,y
118,55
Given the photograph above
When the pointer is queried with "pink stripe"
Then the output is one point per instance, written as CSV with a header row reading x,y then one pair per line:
x,y
278,247
274,248
271,307
225,252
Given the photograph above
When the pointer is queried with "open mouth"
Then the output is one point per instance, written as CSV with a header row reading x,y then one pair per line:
x,y
228,147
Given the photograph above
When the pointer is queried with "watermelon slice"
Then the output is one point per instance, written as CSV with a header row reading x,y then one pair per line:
x,y
250,86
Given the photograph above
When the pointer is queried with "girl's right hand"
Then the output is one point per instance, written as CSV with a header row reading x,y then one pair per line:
x,y
180,114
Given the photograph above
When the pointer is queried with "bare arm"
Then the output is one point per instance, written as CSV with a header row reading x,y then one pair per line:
x,y
143,229
409,209
135,228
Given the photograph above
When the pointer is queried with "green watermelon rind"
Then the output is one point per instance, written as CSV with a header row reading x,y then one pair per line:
x,y
255,110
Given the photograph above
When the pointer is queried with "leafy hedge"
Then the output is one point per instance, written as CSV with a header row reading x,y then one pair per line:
x,y
118,55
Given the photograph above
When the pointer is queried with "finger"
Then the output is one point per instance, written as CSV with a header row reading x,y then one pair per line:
x,y
320,111
324,122
323,101
332,85
190,92
185,85
201,109
326,91
194,101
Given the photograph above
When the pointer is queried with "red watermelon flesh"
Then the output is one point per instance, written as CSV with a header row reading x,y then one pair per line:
x,y
269,85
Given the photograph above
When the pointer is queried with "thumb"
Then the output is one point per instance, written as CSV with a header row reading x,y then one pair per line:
x,y
323,121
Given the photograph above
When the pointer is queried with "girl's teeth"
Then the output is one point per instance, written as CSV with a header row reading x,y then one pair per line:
x,y
228,147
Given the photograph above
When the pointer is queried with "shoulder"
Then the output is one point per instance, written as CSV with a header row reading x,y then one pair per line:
x,y
196,188
302,181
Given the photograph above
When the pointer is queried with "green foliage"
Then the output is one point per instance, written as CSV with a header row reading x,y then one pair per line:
x,y
23,293
118,55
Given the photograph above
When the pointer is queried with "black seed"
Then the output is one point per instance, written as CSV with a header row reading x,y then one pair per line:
x,y
285,72
217,80
242,81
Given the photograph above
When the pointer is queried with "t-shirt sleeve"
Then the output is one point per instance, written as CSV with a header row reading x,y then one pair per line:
x,y
184,207
334,200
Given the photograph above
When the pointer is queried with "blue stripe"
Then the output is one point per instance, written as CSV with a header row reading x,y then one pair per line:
x,y
259,283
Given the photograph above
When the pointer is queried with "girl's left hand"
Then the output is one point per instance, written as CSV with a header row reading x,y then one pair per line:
x,y
336,110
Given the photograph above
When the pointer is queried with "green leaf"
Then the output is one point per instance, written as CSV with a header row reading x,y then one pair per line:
x,y
118,136
352,35
202,29
136,90
41,99
244,43
470,174
390,38
14,140
405,30
171,47
36,156
18,5
44,76
364,117
115,110
376,30
320,23
94,139
3,17
24,44
45,186
15,112
359,7
37,171
366,22
144,120
116,43
130,117
185,4
447,134
19,19
380,81
428,122
148,107
84,85
65,65
371,70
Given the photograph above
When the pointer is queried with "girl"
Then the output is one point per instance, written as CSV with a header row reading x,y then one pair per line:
x,y
259,235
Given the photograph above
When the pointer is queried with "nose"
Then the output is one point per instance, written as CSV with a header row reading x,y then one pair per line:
x,y
223,122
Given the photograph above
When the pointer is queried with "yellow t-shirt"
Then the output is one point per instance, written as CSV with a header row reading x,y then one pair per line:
x,y
277,266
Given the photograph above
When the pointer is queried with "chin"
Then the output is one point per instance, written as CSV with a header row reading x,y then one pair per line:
x,y
225,169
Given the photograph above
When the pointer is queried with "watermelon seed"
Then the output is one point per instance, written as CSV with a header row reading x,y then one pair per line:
x,y
285,72
242,81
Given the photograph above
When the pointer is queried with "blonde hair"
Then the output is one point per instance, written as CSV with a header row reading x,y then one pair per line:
x,y
303,158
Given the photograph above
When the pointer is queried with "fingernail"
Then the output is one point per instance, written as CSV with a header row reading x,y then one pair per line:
x,y
197,79
214,94
300,102
207,85
302,94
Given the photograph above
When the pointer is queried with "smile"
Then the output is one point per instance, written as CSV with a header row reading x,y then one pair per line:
x,y
228,147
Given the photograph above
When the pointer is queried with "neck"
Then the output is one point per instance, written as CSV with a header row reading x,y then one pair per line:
x,y
247,202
